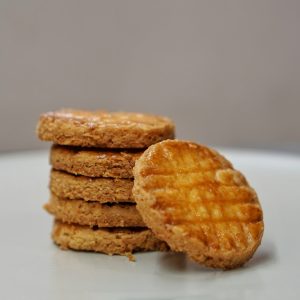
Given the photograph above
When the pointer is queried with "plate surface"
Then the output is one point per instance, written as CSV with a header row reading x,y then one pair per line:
x,y
33,268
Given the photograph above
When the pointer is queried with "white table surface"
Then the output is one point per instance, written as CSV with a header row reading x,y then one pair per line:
x,y
31,267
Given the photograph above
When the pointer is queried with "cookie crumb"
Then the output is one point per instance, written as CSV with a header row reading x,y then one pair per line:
x,y
130,257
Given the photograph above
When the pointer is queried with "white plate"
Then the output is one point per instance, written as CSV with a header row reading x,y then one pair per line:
x,y
31,267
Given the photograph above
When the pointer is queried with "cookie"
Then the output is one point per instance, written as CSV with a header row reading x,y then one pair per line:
x,y
110,241
94,213
103,129
104,190
94,162
192,198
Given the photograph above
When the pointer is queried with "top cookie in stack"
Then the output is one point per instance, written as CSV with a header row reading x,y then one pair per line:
x,y
91,181
104,130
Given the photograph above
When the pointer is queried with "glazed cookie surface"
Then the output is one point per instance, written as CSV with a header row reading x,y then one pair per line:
x,y
192,198
94,162
110,241
94,213
65,185
102,129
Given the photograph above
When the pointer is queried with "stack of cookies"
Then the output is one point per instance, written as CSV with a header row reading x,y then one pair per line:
x,y
91,183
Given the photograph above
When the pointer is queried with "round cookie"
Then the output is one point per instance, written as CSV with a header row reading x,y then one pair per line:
x,y
103,129
104,190
94,213
94,162
110,241
192,198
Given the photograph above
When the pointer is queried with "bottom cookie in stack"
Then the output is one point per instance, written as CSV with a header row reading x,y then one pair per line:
x,y
116,240
111,228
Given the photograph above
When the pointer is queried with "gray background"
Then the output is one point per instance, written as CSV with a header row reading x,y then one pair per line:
x,y
227,72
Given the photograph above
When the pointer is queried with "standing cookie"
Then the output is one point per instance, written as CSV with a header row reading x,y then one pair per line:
x,y
192,198
103,130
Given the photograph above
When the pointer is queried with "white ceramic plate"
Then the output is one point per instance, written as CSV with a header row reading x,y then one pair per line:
x,y
31,267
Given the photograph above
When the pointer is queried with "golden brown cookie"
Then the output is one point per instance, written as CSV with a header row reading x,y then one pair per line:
x,y
103,129
104,190
110,240
192,198
94,213
94,162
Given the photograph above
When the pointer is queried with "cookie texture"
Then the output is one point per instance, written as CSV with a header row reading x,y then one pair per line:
x,y
110,241
192,198
94,213
102,129
94,162
104,190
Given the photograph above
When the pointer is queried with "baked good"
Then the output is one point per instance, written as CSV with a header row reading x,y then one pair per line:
x,y
65,185
102,129
122,241
193,198
94,162
94,213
